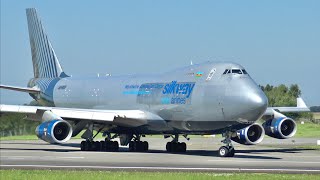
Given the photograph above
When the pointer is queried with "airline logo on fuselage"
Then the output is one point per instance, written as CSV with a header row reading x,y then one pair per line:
x,y
176,88
162,93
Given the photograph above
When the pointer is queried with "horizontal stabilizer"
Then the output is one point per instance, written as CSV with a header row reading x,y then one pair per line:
x,y
21,89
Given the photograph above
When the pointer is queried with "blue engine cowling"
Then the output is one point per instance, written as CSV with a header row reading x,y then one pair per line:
x,y
250,135
55,131
280,128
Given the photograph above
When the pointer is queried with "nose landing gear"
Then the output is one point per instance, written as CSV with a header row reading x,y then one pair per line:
x,y
228,150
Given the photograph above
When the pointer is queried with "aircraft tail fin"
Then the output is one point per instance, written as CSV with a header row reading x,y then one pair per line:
x,y
44,59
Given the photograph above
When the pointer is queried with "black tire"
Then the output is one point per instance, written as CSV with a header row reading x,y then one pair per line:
x,y
82,144
223,151
115,146
175,147
169,146
98,146
138,146
107,146
183,147
110,146
87,146
95,146
131,146
231,152
145,146
103,146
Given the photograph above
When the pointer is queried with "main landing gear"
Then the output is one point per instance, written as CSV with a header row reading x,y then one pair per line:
x,y
138,146
228,150
99,145
175,146
107,145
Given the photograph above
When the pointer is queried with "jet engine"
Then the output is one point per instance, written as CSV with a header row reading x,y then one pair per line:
x,y
54,131
280,128
250,135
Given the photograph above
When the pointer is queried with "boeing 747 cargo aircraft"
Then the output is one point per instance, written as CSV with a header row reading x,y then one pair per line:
x,y
207,98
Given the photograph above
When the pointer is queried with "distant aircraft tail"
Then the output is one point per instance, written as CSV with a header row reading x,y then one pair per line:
x,y
44,59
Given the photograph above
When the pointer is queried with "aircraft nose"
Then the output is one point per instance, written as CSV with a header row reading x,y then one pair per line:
x,y
253,102
257,101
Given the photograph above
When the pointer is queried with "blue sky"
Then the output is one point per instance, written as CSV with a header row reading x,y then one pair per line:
x,y
276,41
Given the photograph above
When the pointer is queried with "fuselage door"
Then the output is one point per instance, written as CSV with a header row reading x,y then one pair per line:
x,y
210,75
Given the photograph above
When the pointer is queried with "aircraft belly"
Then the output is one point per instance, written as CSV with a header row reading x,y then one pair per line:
x,y
181,127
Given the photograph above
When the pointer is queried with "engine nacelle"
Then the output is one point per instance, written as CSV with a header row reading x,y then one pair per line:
x,y
250,135
54,131
280,128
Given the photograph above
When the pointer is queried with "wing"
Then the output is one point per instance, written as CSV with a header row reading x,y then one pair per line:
x,y
128,118
301,107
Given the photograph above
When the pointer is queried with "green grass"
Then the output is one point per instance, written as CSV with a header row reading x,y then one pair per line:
x,y
78,175
308,130
314,147
22,137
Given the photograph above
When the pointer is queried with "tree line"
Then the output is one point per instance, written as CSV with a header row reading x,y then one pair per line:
x,y
15,124
283,95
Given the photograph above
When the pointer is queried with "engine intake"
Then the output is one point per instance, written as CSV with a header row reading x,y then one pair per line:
x,y
55,131
250,135
281,128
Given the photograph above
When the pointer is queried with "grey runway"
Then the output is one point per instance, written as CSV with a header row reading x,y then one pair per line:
x,y
271,156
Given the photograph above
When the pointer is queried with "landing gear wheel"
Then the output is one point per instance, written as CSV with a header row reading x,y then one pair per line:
x,y
131,148
82,145
99,146
176,147
183,147
138,146
169,146
111,146
231,152
87,145
115,146
228,150
223,151
145,146
103,146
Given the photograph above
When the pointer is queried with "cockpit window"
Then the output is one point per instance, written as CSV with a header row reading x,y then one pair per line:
x,y
236,71
227,71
